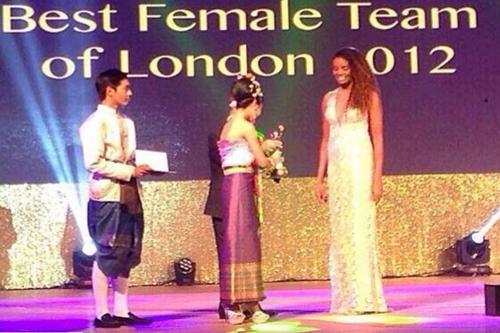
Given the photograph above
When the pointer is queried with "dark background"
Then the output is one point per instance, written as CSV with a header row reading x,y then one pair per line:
x,y
434,123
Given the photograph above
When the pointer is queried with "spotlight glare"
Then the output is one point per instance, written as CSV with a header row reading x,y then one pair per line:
x,y
89,248
477,237
283,326
473,251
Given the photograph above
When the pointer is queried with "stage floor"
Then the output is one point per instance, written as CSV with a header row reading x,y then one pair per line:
x,y
431,304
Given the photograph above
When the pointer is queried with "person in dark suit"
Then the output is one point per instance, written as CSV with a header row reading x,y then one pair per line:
x,y
213,205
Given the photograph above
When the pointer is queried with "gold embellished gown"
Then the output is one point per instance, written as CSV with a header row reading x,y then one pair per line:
x,y
356,284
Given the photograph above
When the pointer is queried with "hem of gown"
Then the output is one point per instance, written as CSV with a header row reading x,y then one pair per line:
x,y
240,301
357,312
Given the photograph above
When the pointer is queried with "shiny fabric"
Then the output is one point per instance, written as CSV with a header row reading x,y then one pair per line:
x,y
117,234
355,278
129,196
235,153
108,142
240,254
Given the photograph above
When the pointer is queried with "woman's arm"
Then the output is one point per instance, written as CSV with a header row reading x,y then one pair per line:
x,y
250,134
323,154
377,138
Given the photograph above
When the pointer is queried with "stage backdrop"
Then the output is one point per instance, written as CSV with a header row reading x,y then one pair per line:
x,y
436,62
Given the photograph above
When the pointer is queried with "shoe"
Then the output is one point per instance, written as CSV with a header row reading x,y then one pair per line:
x,y
270,313
260,317
132,319
234,317
107,321
221,311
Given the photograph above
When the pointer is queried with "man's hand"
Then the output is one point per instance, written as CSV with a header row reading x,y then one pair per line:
x,y
142,170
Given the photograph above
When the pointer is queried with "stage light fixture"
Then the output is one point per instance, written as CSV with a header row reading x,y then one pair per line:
x,y
185,270
473,251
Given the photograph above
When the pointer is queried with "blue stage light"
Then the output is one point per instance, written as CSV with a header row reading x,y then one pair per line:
x,y
49,120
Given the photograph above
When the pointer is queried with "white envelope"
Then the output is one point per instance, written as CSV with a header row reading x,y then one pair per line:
x,y
157,160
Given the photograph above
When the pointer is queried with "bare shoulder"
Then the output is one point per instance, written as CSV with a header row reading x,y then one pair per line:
x,y
239,122
247,126
235,129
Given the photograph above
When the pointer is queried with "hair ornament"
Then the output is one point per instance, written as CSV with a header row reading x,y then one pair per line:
x,y
254,85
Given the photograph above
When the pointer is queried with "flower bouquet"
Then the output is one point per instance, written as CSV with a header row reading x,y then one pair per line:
x,y
279,170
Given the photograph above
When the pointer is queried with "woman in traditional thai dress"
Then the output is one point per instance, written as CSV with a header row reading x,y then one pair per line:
x,y
241,287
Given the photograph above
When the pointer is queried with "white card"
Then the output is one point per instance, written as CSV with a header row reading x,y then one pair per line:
x,y
157,160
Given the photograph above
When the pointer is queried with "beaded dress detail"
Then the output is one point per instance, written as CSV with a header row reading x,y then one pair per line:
x,y
356,284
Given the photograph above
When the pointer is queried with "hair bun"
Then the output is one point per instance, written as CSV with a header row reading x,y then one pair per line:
x,y
246,89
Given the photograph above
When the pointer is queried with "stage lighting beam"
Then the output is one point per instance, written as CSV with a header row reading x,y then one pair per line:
x,y
480,235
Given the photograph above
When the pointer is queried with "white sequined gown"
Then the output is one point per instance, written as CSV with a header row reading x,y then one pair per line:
x,y
355,278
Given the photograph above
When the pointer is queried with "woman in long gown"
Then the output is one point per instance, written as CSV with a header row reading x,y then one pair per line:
x,y
351,154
